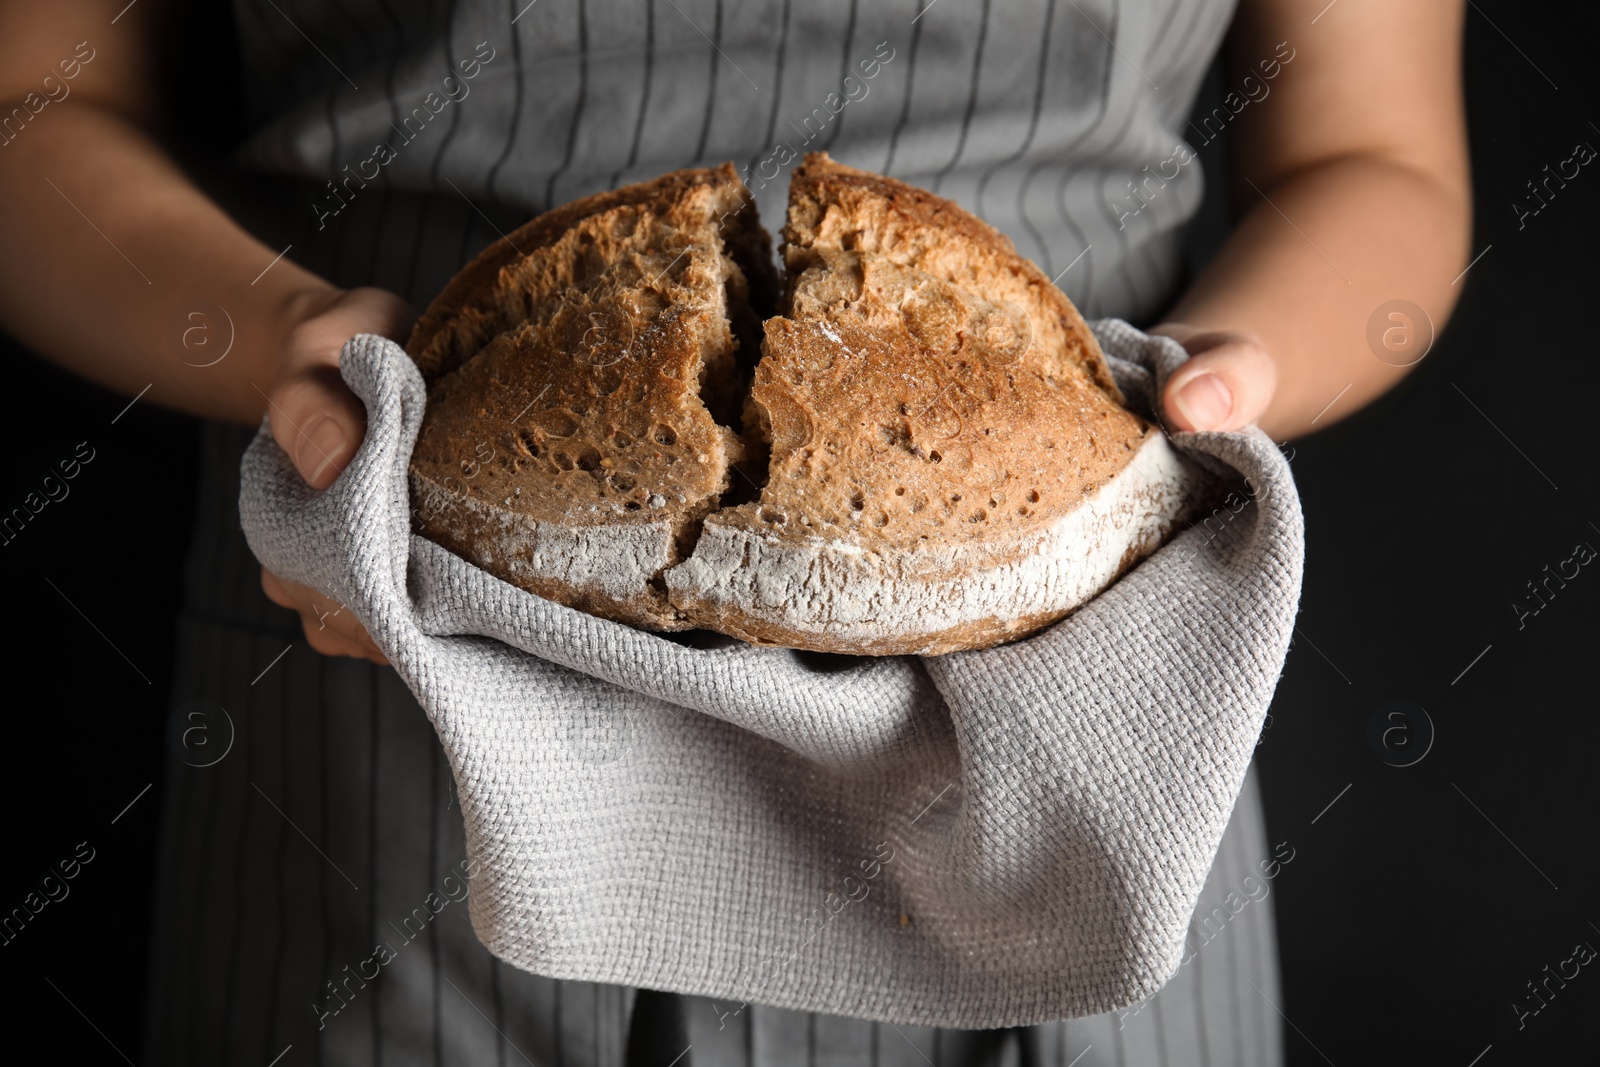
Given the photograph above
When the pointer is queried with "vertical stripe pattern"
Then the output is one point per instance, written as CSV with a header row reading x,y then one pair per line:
x,y
1036,115
311,890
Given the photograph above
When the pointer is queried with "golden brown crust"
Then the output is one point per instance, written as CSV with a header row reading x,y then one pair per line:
x,y
931,411
917,391
582,406
894,421
459,321
826,590
835,206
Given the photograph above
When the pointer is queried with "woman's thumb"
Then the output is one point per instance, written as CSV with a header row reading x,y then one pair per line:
x,y
1226,384
318,422
315,418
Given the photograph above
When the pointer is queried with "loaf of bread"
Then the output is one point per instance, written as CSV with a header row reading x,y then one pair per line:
x,y
915,447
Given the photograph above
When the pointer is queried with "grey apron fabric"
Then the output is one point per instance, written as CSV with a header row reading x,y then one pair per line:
x,y
1042,116
1038,103
985,839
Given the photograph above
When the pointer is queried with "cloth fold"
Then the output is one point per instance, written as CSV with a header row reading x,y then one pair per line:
x,y
982,839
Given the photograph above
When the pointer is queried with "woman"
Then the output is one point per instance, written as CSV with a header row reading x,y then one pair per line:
x,y
1062,122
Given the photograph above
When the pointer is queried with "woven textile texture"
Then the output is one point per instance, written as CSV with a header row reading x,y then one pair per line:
x,y
982,839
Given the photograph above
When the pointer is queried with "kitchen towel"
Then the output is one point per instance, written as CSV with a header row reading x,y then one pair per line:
x,y
982,839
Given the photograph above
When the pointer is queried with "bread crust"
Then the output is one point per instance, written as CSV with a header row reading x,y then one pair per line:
x,y
570,451
464,316
913,227
830,594
949,463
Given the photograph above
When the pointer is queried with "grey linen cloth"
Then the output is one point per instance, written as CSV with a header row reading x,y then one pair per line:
x,y
981,839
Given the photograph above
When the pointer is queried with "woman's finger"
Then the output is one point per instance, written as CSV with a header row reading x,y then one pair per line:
x,y
315,418
318,422
1226,384
329,643
278,591
330,627
338,635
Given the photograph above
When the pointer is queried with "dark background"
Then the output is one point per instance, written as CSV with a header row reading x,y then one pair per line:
x,y
1418,905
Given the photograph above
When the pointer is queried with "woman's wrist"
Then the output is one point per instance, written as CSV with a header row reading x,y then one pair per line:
x,y
296,301
252,326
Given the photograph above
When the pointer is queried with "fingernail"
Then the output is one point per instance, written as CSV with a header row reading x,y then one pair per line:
x,y
322,441
1205,401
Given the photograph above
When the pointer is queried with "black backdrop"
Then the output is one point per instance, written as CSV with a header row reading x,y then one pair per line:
x,y
1422,898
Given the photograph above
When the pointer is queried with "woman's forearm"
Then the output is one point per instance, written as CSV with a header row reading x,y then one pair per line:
x,y
1312,262
112,263
1351,180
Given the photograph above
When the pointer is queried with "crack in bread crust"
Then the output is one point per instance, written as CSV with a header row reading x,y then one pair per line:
x,y
949,464
575,396
466,314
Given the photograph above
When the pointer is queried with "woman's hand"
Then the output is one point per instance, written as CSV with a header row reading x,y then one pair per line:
x,y
1351,191
319,424
329,627
316,420
1227,383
